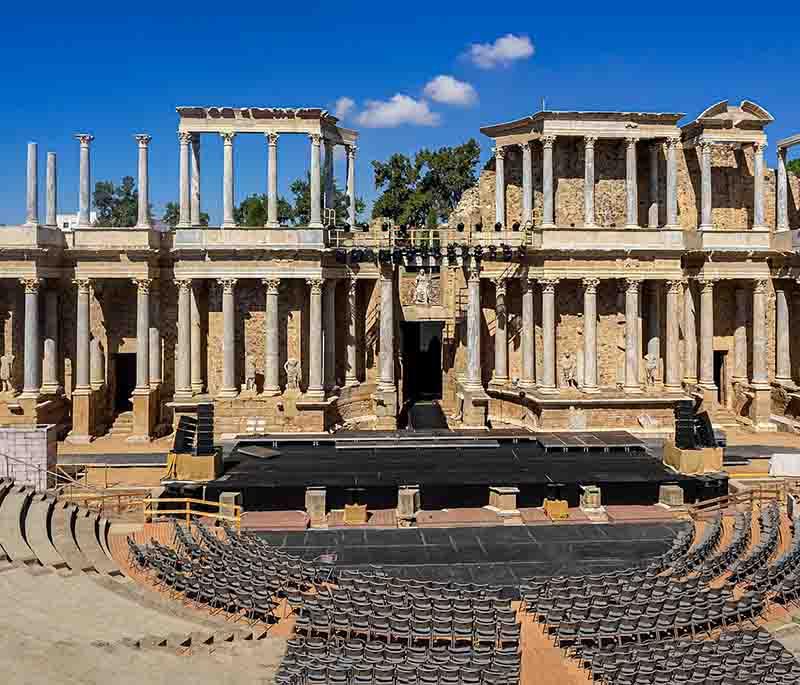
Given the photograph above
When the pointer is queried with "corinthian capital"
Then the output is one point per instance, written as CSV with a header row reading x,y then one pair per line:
x,y
273,285
351,151
227,285
143,139
185,137
630,141
316,285
316,139
674,287
548,285
590,285
548,142
499,152
632,285
761,285
84,285
227,138
143,284
184,284
84,139
31,285
272,138
589,141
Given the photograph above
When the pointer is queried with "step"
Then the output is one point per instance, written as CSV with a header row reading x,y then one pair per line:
x,y
87,539
37,525
61,525
12,510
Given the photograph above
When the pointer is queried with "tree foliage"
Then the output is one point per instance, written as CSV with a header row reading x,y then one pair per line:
x,y
253,211
301,207
793,166
116,205
172,214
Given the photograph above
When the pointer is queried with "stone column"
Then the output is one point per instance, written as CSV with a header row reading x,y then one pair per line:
x,y
707,334
632,346
590,334
706,220
32,203
227,180
672,182
501,334
689,336
328,195
740,337
588,182
271,339
386,378
185,217
196,338
351,185
272,180
183,361
351,372
83,336
783,364
782,199
653,209
50,384
672,375
143,217
548,381
548,206
142,335
32,381
474,380
315,219
315,337
195,208
758,186
85,184
631,185
527,185
654,323
760,371
499,186
228,389
528,379
329,333
52,190
155,336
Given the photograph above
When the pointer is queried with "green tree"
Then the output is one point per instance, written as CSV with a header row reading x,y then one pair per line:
x,y
172,214
116,205
253,211
397,178
301,209
793,166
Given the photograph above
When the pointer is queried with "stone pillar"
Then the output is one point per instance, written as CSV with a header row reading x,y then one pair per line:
x,y
155,337
527,185
654,323
196,340
706,220
85,183
783,364
229,388
760,371
501,334
689,336
272,180
227,180
32,203
408,504
672,182
548,381
631,185
50,384
740,337
142,334
386,377
315,337
329,333
195,208
351,185
707,334
185,216
672,375
548,206
32,383
316,506
351,372
143,216
758,186
328,194
52,190
653,209
499,186
183,361
83,336
782,199
271,338
590,334
473,379
632,347
588,182
528,379
315,219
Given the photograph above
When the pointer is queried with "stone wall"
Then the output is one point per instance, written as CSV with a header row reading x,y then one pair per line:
x,y
31,452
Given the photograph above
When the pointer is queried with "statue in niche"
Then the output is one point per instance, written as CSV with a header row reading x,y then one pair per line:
x,y
576,419
292,368
422,288
249,374
98,362
651,368
568,370
7,372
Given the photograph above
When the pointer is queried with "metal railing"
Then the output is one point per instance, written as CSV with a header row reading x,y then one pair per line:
x,y
763,492
427,237
151,508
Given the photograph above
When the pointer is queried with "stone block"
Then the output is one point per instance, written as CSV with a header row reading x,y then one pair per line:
x,y
83,420
692,462
228,502
671,495
503,498
316,506
408,503
591,497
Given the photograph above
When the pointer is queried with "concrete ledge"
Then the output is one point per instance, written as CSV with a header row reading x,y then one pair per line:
x,y
693,462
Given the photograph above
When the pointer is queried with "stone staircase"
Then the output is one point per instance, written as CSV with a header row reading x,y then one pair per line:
x,y
123,424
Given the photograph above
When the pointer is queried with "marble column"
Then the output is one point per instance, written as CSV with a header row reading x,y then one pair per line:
x,y
143,216
51,209
272,180
386,378
528,379
351,372
707,334
228,388
760,370
740,337
689,336
499,186
50,374
271,338
83,335
185,216
588,182
654,322
782,199
632,346
351,185
548,380
328,194
548,190
315,218
227,180
706,216
329,333
32,357
672,374
196,339
758,186
783,364
155,336
590,334
142,335
183,361
195,208
85,183
527,185
653,208
32,199
672,147
315,379
631,185
501,334
474,380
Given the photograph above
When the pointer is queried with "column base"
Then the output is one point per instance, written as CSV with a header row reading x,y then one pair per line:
x,y
673,388
83,427
271,392
29,394
228,393
590,389
589,225
671,227
632,226
315,224
759,227
548,389
351,382
229,224
689,381
181,224
52,389
548,224
780,380
706,227
526,384
272,224
147,226
632,389
499,381
143,415
182,396
315,395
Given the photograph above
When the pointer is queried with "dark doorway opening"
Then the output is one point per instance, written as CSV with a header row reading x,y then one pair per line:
x,y
124,380
719,375
422,360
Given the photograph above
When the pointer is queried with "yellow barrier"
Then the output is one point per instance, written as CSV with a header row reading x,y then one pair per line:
x,y
187,510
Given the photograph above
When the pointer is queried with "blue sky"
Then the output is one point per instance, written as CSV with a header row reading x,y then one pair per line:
x,y
115,70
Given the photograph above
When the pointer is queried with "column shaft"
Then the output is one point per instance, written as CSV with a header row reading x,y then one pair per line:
x,y
143,217
760,370
499,186
707,335
706,217
588,182
632,346
474,377
758,185
351,185
272,339
183,362
501,334
740,337
548,206
85,193
783,364
672,182
272,180
315,337
590,334
315,217
227,180
32,381
329,181
52,190
185,217
196,340
548,382
82,338
351,372
50,375
672,380
143,335
386,379
782,192
528,379
527,185
229,388
631,185
155,336
329,333
32,204
654,321
195,208
653,209
689,336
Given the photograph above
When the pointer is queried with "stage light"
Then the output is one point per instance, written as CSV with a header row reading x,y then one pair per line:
x,y
397,255
515,226
477,252
498,226
355,255
346,228
492,251
365,228
521,252
460,227
385,226
385,256
340,256
508,254
478,227
369,255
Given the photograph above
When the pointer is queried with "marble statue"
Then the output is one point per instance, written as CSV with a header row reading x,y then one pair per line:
x,y
577,419
98,362
568,370
422,288
6,372
292,368
249,373
651,368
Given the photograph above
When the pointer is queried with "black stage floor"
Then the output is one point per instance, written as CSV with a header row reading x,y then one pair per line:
x,y
501,555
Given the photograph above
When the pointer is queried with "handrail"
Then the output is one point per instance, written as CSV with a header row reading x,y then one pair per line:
x,y
148,511
764,492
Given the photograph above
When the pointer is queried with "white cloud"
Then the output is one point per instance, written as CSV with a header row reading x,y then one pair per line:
x,y
450,91
399,110
500,53
343,107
